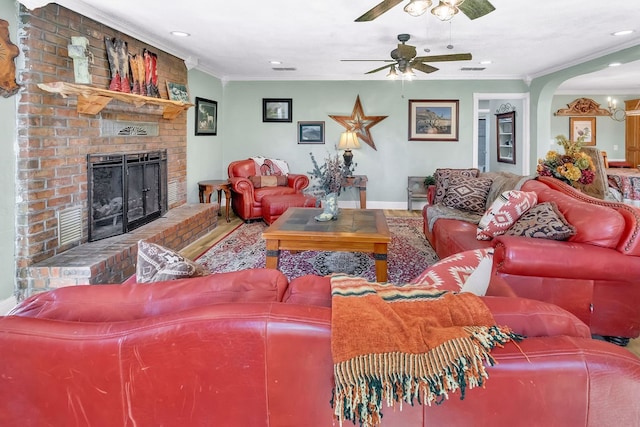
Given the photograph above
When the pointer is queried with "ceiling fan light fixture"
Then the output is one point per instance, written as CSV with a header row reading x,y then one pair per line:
x,y
453,3
444,11
417,7
392,74
408,73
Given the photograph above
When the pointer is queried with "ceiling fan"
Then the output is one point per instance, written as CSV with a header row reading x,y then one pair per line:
x,y
405,60
445,10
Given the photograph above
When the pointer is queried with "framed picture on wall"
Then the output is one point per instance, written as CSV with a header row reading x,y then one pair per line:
x,y
310,132
206,117
276,110
178,92
583,126
433,120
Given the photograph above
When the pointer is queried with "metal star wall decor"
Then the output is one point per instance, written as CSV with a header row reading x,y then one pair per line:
x,y
359,123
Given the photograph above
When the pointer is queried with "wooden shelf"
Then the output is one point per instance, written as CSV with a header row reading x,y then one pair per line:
x,y
91,100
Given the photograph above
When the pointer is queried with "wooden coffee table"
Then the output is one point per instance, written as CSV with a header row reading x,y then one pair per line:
x,y
355,230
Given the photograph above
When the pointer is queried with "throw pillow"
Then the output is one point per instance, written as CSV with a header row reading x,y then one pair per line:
x,y
504,212
268,181
157,263
442,180
542,221
468,271
467,194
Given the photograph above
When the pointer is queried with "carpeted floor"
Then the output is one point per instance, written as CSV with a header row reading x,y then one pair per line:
x,y
409,254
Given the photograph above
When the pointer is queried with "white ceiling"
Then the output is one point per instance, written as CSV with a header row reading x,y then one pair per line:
x,y
235,40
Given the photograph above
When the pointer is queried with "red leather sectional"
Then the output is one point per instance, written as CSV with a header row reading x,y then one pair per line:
x,y
594,275
251,349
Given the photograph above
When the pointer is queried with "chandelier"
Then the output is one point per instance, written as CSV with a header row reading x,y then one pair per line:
x,y
444,11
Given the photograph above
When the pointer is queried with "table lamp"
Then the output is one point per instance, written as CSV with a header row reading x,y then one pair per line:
x,y
348,140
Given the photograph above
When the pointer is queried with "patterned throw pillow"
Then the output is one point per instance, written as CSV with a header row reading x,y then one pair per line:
x,y
504,212
468,271
442,180
467,194
542,221
268,181
157,264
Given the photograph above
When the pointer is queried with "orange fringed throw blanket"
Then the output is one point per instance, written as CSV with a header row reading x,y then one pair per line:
x,y
406,343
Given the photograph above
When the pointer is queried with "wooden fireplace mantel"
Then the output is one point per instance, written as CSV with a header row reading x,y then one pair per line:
x,y
91,100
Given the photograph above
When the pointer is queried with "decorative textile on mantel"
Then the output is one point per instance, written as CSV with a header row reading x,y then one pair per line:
x,y
406,344
583,107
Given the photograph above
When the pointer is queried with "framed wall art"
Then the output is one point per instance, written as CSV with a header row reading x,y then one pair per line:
x,y
310,132
433,120
583,126
206,117
276,110
178,92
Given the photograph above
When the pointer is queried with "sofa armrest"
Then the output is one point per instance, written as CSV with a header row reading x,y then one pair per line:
x,y
242,185
525,256
297,181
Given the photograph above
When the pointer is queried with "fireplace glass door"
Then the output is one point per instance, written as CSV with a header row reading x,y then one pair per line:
x,y
125,191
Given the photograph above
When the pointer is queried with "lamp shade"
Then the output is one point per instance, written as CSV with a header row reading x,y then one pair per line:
x,y
444,11
348,140
417,7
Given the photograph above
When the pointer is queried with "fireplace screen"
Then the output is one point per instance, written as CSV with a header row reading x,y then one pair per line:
x,y
125,191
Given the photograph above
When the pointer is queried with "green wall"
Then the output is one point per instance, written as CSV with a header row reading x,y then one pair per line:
x,y
8,12
396,157
609,133
204,152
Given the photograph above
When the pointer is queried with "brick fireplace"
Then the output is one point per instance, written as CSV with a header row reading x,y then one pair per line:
x,y
55,142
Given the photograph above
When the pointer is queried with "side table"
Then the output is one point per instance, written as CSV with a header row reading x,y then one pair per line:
x,y
206,189
359,182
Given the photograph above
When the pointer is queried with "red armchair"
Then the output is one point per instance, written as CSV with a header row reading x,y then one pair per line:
x,y
246,198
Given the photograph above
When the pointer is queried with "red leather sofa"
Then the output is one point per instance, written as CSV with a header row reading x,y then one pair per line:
x,y
246,199
250,349
594,275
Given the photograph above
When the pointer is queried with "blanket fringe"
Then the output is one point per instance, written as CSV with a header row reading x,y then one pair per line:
x,y
364,383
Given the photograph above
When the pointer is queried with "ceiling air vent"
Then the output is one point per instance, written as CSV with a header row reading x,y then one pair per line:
x,y
472,68
283,68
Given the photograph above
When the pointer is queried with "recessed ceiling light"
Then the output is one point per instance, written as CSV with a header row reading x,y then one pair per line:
x,y
485,62
180,34
615,64
275,62
622,33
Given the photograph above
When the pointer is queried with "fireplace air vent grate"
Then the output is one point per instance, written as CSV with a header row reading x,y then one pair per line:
x,y
69,225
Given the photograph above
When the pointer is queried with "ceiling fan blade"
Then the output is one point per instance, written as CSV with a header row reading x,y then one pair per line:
x,y
378,10
476,8
425,68
367,60
406,51
378,69
443,58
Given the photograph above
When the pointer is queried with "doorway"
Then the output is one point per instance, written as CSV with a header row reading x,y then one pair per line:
x,y
482,144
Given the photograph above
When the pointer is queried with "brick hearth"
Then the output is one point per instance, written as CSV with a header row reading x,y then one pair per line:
x,y
113,260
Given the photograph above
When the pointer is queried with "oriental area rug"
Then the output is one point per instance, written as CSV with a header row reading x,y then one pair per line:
x,y
409,254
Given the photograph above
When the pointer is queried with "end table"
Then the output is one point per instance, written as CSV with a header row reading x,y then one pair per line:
x,y
359,182
206,189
